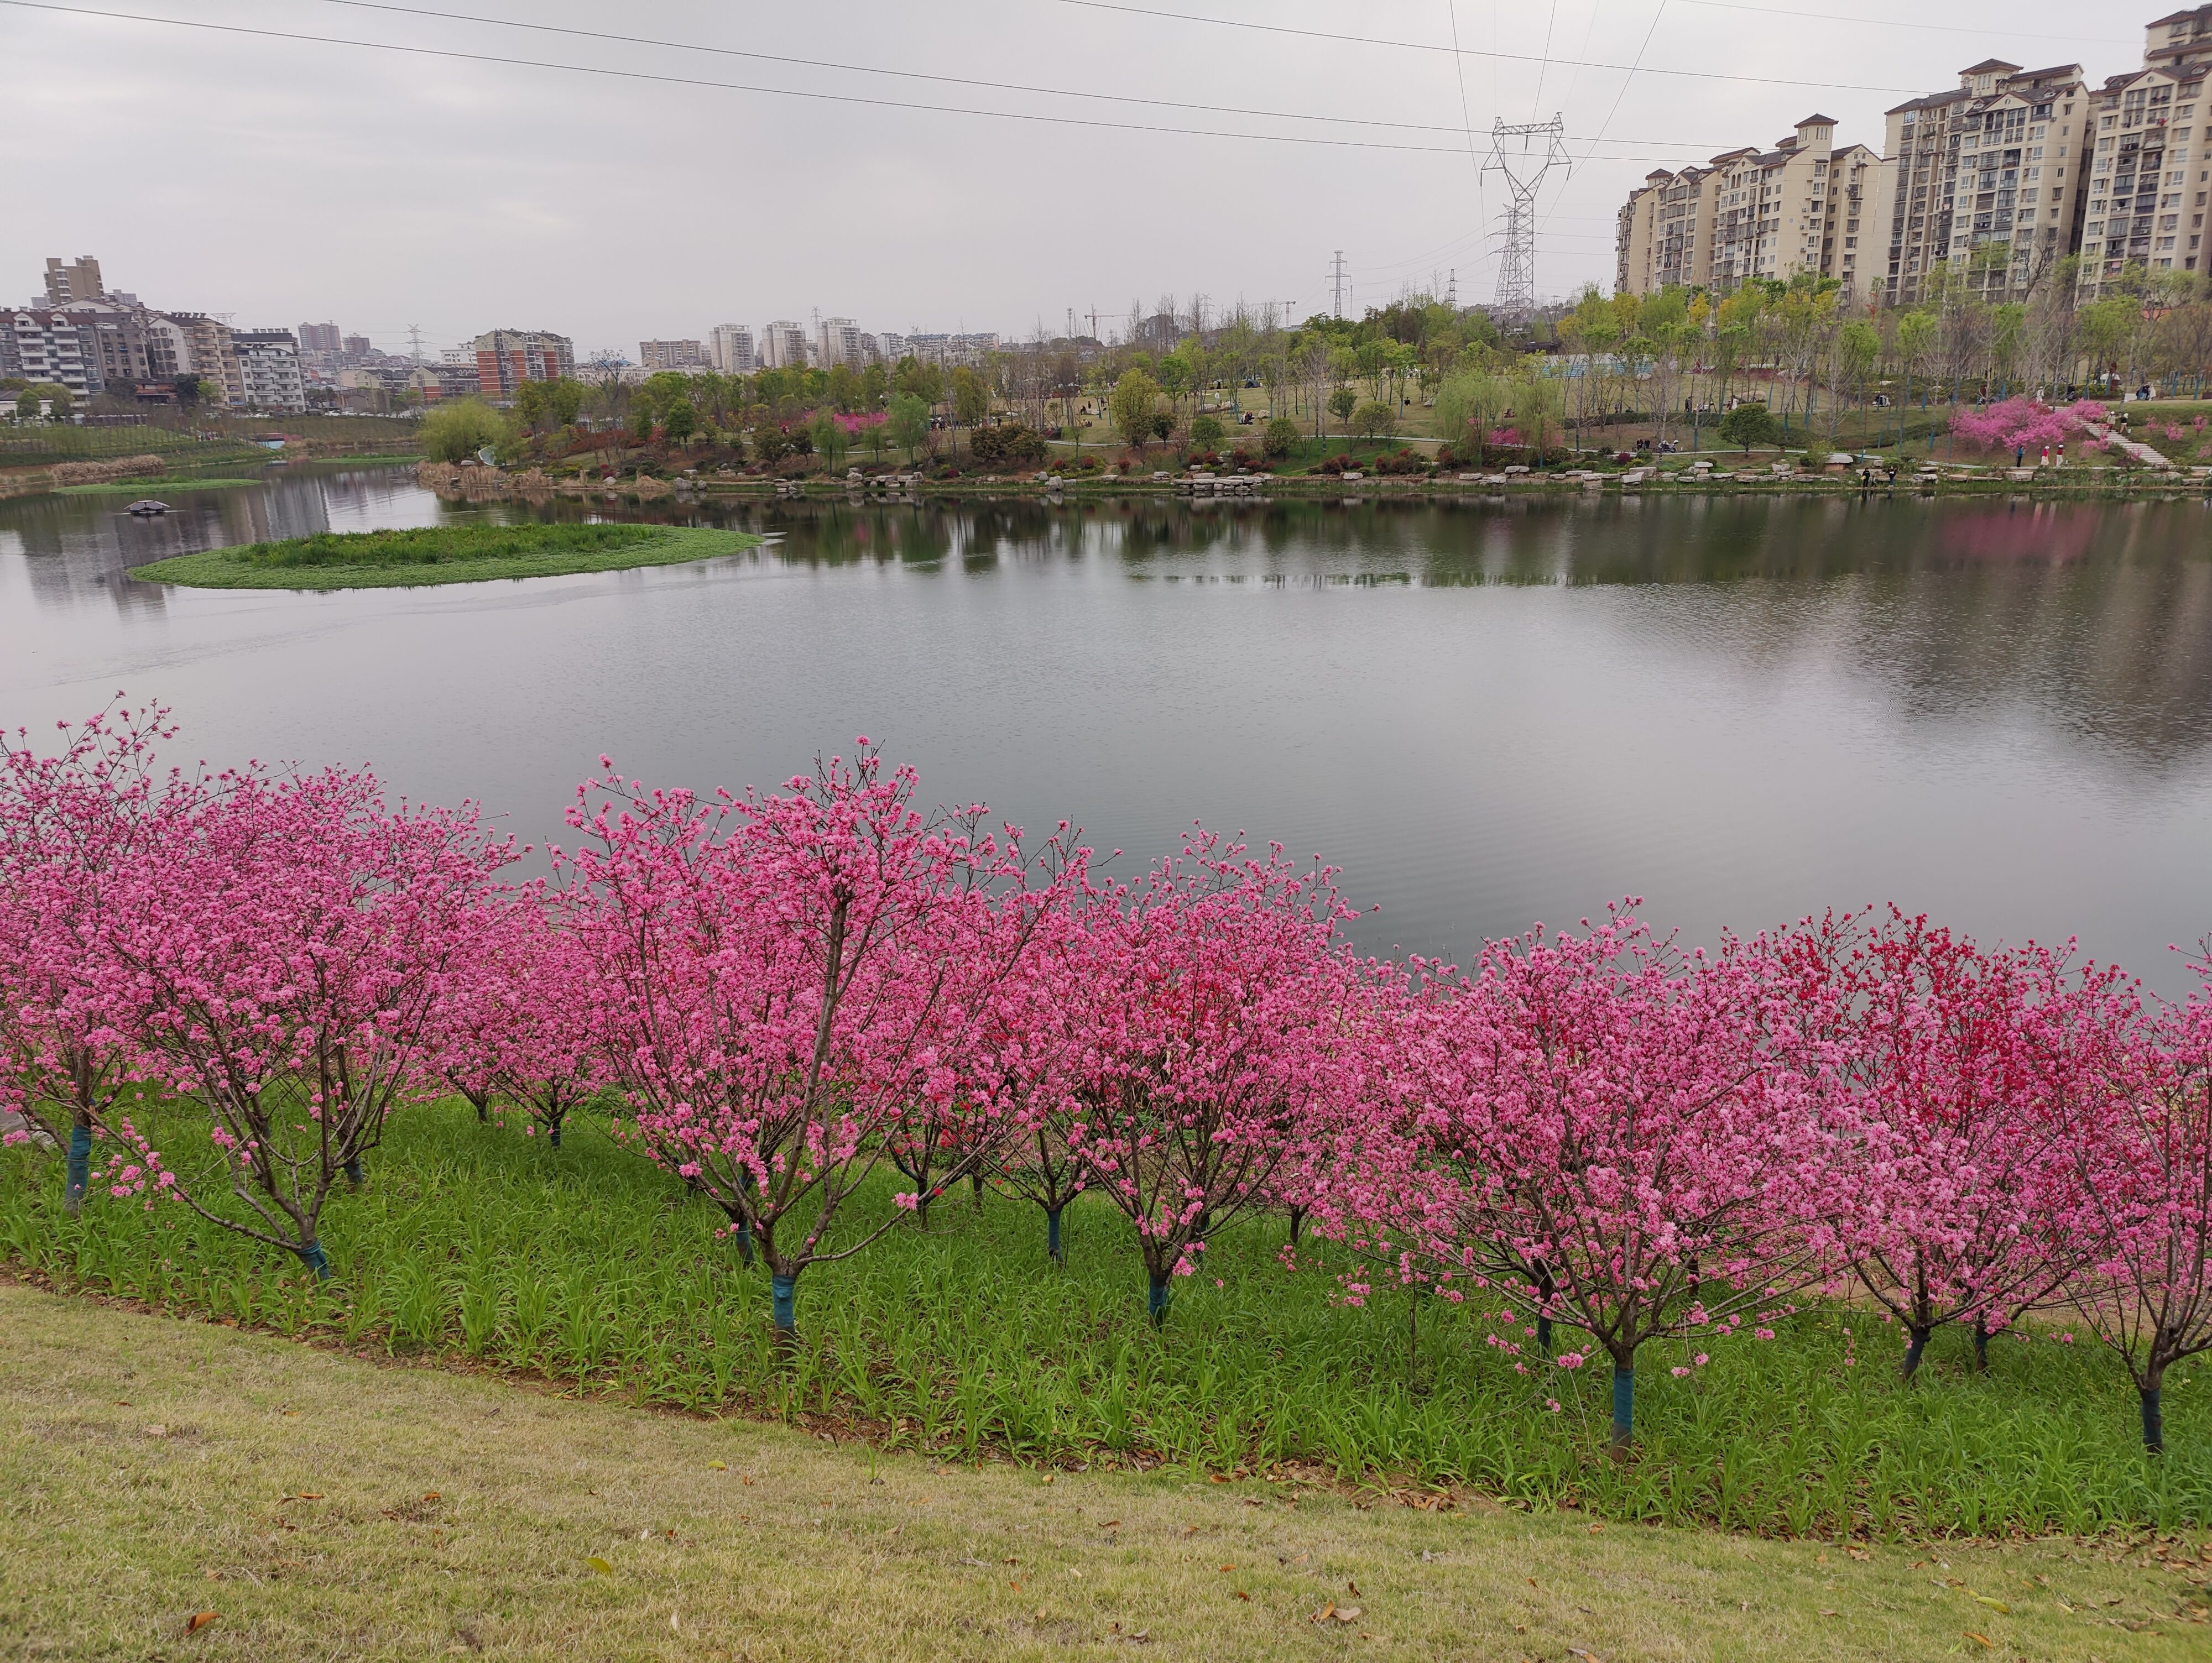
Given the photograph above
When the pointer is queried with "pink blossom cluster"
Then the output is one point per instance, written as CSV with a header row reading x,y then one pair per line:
x,y
2026,422
783,995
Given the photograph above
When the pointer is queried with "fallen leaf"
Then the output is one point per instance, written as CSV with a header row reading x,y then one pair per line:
x,y
1827,1613
674,1626
1324,1613
600,1565
1588,1657
1239,1594
1596,1526
1049,1477
1984,1638
1347,1614
2068,1609
718,1467
1016,1586
1996,1605
1217,1478
1228,1567
1352,1589
200,1619
1110,1524
317,1495
1530,1580
1190,1530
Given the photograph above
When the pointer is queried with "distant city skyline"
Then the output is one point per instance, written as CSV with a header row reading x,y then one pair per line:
x,y
641,193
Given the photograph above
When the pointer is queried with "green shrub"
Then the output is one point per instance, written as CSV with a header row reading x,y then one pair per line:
x,y
455,433
1282,438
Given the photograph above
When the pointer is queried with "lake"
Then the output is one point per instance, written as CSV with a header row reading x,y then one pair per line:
x,y
1488,713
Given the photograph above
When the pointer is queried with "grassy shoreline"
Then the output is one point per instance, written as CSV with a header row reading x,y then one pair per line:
x,y
442,554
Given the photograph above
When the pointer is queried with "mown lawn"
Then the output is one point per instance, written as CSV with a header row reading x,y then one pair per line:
x,y
300,1505
587,1266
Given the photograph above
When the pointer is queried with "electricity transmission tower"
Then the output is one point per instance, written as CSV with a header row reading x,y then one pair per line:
x,y
1525,153
1336,274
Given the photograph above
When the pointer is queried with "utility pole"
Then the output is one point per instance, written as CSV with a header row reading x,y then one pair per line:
x,y
1336,276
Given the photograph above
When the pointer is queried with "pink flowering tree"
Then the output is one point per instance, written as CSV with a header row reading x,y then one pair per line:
x,y
1638,1149
782,984
1201,1025
2015,424
2144,1205
520,992
72,822
1969,1068
278,965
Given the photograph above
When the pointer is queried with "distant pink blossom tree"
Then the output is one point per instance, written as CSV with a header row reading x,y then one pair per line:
x,y
518,998
2016,423
278,964
783,983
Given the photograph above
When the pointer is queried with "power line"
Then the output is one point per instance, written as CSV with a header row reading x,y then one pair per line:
x,y
870,69
666,79
663,79
1471,51
1544,64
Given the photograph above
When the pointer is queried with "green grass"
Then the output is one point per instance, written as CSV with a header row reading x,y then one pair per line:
x,y
468,553
139,486
489,1250
314,1505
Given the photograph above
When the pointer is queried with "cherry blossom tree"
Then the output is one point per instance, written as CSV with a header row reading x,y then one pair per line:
x,y
277,964
1970,1068
71,822
1203,1024
1638,1150
782,983
2144,1154
519,997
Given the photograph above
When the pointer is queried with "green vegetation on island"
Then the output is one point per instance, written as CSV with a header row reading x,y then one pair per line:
x,y
151,487
443,554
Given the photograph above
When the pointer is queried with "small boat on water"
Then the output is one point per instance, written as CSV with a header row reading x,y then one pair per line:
x,y
147,507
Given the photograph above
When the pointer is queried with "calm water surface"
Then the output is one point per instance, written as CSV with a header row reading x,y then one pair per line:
x,y
1739,709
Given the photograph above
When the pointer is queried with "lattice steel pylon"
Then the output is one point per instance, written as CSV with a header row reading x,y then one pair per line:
x,y
1525,153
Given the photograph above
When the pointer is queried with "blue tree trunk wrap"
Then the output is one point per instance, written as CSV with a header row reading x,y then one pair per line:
x,y
2154,1423
353,1171
1623,1404
745,1246
557,1134
312,1257
1981,1347
1544,1335
80,1165
785,1289
1052,1234
1156,1300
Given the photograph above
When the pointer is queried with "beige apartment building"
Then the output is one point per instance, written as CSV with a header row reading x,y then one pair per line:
x,y
1996,164
2149,172
2000,178
1803,206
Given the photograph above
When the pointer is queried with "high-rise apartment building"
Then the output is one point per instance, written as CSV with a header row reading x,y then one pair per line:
x,y
1804,206
730,350
1998,181
506,358
1986,179
783,345
2148,168
658,355
318,337
38,344
356,347
269,369
840,343
74,284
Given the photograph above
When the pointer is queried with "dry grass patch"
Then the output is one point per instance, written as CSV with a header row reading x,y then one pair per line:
x,y
323,1505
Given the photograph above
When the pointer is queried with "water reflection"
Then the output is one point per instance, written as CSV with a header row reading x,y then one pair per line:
x,y
1489,711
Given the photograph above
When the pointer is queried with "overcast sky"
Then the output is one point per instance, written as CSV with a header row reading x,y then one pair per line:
x,y
284,179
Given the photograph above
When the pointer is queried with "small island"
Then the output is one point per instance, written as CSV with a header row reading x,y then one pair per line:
x,y
471,553
140,487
